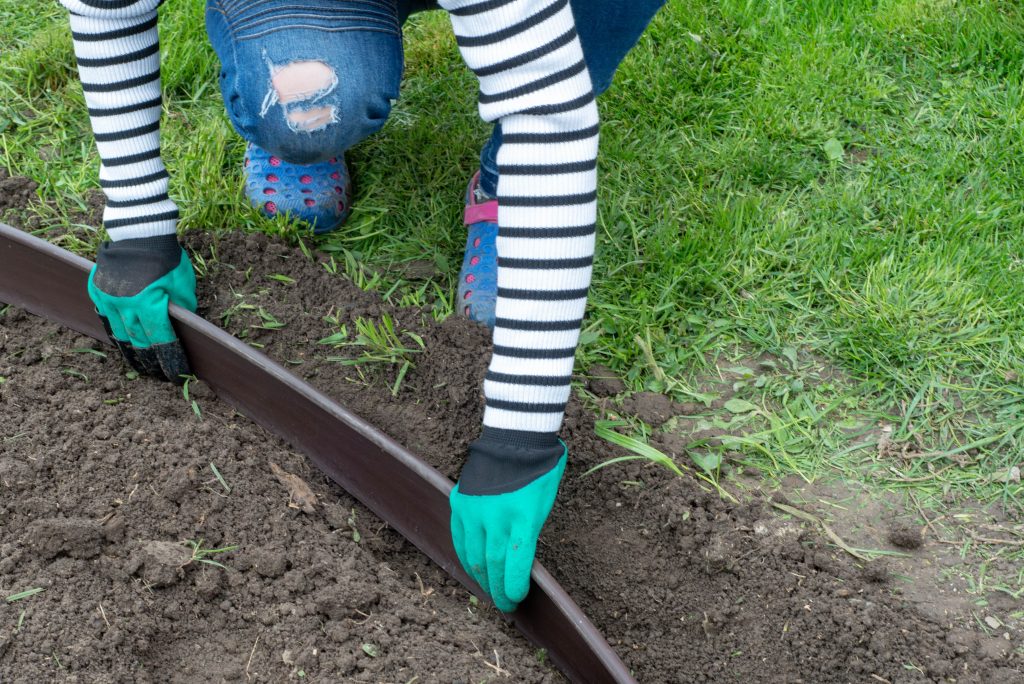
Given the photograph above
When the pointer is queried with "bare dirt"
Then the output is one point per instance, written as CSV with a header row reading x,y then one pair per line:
x,y
15,191
103,477
21,206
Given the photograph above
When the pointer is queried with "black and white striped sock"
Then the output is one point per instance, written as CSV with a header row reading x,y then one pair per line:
x,y
118,55
533,78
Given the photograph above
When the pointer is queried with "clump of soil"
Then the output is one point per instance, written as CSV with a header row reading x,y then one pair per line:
x,y
651,407
15,191
604,382
687,587
905,536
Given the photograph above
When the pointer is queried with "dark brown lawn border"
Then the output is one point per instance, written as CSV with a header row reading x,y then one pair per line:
x,y
391,481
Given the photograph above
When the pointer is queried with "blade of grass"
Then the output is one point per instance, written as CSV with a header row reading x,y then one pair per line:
x,y
23,594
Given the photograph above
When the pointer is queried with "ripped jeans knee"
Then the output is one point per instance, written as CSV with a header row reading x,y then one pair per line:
x,y
304,93
300,89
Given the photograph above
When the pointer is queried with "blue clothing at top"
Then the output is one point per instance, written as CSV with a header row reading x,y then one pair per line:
x,y
360,42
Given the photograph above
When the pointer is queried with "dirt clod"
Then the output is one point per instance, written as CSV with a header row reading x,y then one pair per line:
x,y
905,536
604,382
300,496
16,191
75,537
650,407
159,563
876,572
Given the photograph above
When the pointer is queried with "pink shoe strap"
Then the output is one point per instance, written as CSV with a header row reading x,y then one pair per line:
x,y
485,212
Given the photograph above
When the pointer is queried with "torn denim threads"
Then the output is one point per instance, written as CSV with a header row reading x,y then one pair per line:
x,y
307,80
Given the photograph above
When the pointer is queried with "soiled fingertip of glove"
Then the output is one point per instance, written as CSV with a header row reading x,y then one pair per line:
x,y
172,361
505,605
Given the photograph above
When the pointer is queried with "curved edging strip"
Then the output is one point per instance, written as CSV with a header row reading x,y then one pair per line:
x,y
392,482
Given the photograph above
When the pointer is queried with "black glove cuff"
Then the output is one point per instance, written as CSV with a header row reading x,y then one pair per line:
x,y
502,461
126,267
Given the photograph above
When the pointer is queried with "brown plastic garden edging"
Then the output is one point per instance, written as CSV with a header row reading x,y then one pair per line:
x,y
392,482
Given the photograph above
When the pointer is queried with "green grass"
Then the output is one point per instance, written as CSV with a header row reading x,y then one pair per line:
x,y
833,184
200,553
23,594
380,345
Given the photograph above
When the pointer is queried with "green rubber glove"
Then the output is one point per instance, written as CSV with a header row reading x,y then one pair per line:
x,y
495,534
131,285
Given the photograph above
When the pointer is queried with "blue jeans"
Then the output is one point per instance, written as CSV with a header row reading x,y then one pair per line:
x,y
356,48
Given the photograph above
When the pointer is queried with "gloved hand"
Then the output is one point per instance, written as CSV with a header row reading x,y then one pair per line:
x,y
131,285
500,504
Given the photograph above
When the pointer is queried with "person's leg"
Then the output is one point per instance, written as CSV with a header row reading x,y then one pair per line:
x,y
608,30
302,86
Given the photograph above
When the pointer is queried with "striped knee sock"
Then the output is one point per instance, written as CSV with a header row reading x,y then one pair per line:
x,y
533,78
119,65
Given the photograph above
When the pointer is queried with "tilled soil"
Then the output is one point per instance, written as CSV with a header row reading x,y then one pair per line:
x,y
103,477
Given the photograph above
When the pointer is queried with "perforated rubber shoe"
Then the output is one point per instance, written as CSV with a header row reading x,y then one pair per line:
x,y
478,279
318,195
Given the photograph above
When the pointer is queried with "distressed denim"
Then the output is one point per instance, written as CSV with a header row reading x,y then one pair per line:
x,y
358,41
359,44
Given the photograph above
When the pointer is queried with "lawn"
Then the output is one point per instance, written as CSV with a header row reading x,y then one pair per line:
x,y
821,200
